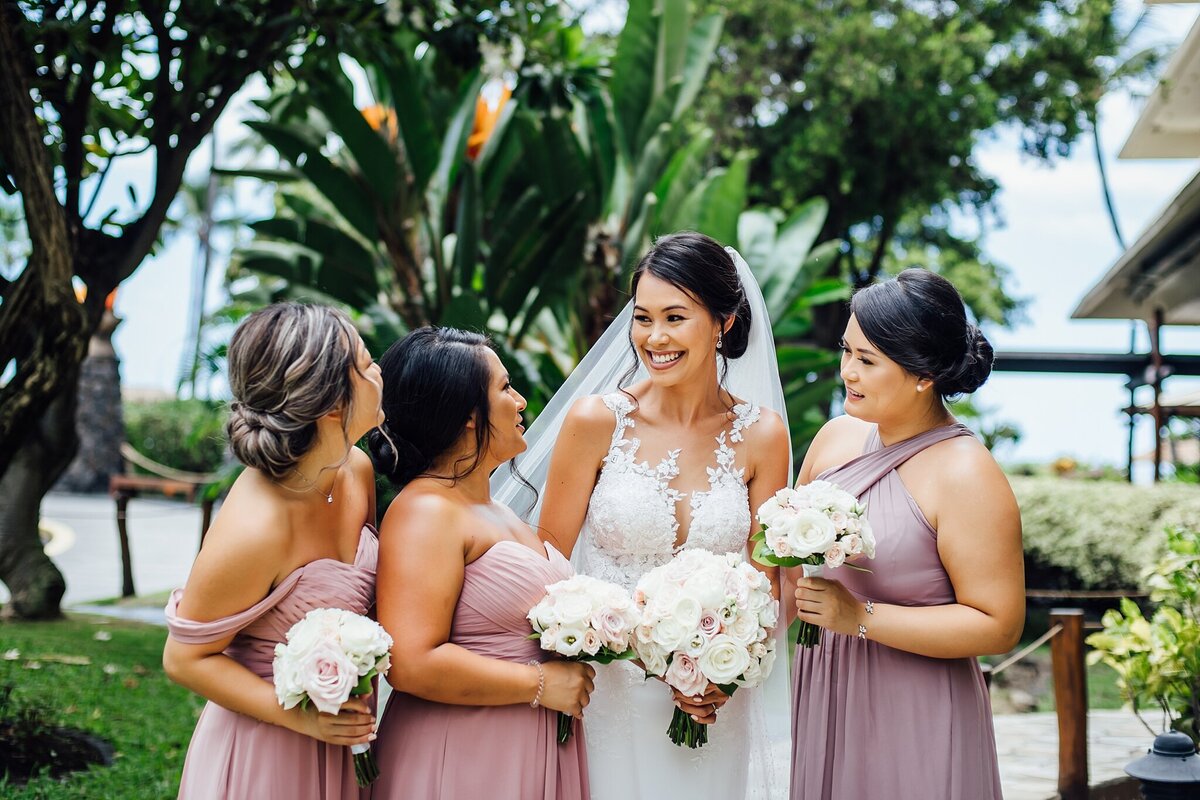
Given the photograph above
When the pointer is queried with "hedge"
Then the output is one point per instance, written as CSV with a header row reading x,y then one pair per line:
x,y
1097,534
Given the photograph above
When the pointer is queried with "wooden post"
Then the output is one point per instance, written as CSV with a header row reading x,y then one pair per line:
x,y
122,499
1156,362
1070,700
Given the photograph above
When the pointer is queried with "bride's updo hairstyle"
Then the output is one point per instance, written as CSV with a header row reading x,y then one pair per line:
x,y
434,380
699,266
289,365
919,321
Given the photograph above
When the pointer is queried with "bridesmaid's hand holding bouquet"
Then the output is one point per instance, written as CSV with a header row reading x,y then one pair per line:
x,y
330,656
812,526
584,619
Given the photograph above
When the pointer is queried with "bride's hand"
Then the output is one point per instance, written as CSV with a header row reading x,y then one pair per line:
x,y
702,708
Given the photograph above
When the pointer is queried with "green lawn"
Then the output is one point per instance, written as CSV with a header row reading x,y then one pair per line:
x,y
121,695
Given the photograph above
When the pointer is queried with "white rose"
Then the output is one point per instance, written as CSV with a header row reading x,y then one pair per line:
x,y
840,520
669,634
811,532
768,615
835,556
663,600
707,587
687,612
745,629
767,661
697,645
684,674
868,537
770,511
364,641
654,659
752,676
725,659
572,608
644,634
853,544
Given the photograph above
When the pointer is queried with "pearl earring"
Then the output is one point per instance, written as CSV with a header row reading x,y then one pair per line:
x,y
720,340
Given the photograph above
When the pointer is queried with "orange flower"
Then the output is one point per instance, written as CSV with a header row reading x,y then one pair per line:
x,y
379,117
486,117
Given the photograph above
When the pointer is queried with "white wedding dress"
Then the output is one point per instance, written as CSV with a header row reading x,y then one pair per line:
x,y
631,527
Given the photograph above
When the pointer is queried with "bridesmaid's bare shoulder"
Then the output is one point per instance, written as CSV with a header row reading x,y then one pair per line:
x,y
839,440
422,515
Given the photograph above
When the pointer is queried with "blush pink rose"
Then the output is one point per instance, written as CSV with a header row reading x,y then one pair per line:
x,y
710,624
684,674
328,676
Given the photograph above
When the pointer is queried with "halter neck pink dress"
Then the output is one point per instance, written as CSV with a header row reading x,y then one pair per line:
x,y
872,721
236,757
452,752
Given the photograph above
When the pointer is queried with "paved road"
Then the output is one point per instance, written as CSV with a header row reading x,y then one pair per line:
x,y
163,534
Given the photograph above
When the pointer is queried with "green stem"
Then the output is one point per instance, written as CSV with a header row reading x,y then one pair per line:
x,y
565,727
809,635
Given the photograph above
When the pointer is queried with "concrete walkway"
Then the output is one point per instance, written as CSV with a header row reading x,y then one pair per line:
x,y
164,536
1028,748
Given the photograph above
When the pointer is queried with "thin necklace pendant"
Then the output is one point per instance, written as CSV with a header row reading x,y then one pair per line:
x,y
329,498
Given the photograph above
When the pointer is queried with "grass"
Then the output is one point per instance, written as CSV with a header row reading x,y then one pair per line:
x,y
120,694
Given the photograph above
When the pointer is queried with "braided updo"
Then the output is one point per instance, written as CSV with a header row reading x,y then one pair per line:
x,y
289,365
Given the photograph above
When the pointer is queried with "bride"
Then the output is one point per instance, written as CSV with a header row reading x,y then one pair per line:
x,y
668,436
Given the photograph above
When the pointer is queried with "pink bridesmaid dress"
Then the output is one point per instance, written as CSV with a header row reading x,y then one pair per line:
x,y
872,721
235,757
435,751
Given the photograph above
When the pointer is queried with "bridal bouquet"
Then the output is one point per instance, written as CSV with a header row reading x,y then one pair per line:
x,y
584,619
330,656
812,526
705,618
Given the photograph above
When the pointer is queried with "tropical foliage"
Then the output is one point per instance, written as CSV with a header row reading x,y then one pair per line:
x,y
1157,660
421,194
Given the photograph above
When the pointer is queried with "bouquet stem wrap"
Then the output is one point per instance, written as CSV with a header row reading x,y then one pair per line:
x,y
809,634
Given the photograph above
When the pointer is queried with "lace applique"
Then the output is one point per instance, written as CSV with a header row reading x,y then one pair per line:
x,y
631,521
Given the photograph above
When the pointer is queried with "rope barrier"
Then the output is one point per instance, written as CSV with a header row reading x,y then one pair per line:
x,y
1041,640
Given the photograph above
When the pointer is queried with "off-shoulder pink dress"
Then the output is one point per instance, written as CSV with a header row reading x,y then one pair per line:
x,y
235,757
436,751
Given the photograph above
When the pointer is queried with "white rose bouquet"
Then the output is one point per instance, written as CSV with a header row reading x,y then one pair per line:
x,y
812,526
584,619
705,618
330,656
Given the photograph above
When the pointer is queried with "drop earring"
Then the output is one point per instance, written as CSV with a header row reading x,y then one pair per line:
x,y
720,340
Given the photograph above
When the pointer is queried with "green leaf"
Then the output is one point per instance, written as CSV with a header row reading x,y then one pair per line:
x,y
725,199
633,65
375,159
337,185
414,117
684,171
453,149
674,23
785,274
702,42
468,227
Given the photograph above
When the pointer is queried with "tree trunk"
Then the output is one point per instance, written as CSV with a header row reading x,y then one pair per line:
x,y
35,583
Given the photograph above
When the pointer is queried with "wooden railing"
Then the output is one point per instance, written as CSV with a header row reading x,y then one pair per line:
x,y
1070,696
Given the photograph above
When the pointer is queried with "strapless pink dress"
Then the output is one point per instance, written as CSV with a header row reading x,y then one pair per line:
x,y
435,751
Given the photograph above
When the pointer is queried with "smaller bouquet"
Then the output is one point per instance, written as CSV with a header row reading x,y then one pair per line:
x,y
705,618
584,619
812,526
330,656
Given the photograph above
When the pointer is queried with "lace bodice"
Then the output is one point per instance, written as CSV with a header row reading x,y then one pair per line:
x,y
631,523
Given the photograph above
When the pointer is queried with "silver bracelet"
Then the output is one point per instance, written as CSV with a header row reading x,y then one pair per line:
x,y
870,607
862,631
537,698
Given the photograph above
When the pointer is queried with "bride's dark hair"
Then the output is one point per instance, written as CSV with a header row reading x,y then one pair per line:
x,y
699,266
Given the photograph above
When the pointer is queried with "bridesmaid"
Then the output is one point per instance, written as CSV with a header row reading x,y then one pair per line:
x,y
899,646
293,535
473,714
